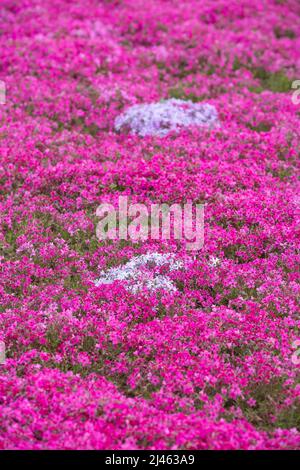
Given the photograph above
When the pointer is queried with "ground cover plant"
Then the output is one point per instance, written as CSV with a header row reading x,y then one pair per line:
x,y
206,359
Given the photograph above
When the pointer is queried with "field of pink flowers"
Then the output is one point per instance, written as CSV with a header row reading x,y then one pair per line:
x,y
208,364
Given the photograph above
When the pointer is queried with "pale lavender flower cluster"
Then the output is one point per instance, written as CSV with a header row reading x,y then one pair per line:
x,y
158,119
141,273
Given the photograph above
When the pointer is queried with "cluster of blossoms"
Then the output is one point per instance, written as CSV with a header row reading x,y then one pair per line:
x,y
121,344
169,115
141,272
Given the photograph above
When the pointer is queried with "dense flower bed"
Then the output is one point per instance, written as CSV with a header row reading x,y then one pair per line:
x,y
206,364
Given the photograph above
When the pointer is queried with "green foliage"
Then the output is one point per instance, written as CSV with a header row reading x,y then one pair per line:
x,y
180,93
277,82
263,126
53,337
284,33
269,398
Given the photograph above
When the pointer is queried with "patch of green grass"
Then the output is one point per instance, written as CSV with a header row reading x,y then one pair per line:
x,y
81,241
76,123
11,235
114,261
231,251
79,122
237,64
53,337
268,414
205,67
162,27
74,282
231,295
289,417
179,92
282,173
277,82
88,344
263,126
284,33
117,185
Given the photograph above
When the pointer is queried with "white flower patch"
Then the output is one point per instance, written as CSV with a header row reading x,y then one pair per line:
x,y
214,261
141,272
158,119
